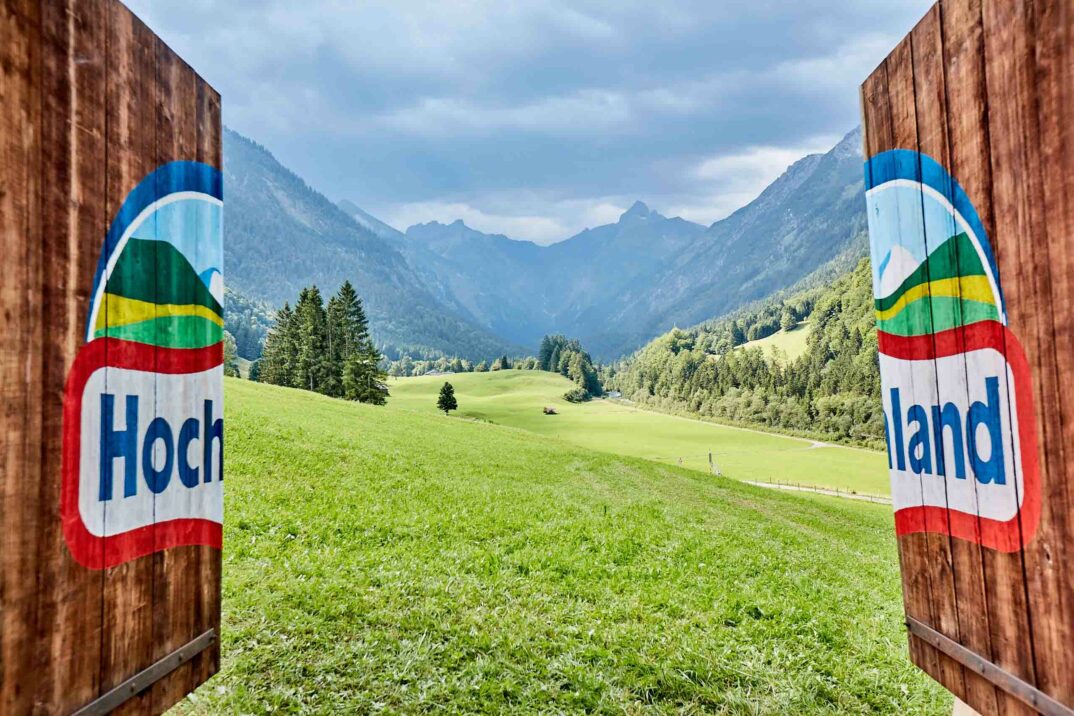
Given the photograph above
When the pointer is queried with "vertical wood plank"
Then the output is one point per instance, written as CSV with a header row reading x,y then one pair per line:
x,y
68,620
878,136
128,590
967,113
935,548
175,570
207,595
21,349
1024,262
966,561
1044,64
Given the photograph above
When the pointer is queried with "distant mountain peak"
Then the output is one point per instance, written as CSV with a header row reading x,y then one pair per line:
x,y
638,211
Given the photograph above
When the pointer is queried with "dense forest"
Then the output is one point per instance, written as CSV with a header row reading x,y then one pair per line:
x,y
832,390
326,349
248,322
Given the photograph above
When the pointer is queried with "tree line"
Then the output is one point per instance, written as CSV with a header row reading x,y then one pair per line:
x,y
832,390
559,354
324,348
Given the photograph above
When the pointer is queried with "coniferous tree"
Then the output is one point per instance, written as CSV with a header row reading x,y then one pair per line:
x,y
313,366
281,346
544,354
231,363
446,401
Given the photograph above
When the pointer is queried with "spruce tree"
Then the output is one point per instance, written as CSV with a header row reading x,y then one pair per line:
x,y
446,401
279,351
313,366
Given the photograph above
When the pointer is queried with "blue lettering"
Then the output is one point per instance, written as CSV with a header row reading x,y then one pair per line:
x,y
919,442
187,434
118,443
991,470
932,428
158,479
887,437
214,430
896,410
950,418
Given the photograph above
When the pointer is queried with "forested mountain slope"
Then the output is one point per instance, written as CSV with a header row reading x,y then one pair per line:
x,y
281,235
832,390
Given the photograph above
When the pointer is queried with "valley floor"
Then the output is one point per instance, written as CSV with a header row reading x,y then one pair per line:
x,y
387,560
516,398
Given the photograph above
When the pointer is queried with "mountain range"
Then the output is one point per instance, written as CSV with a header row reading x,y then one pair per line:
x,y
280,235
452,289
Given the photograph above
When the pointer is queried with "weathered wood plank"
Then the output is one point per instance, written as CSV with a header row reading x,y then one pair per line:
x,y
175,571
210,151
1024,263
969,162
878,136
1045,71
128,598
935,552
967,571
21,350
73,144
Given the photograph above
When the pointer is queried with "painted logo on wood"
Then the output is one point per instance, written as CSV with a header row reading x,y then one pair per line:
x,y
143,405
956,386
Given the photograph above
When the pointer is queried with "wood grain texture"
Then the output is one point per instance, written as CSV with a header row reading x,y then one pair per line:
x,y
1003,605
967,572
73,147
1049,27
175,571
991,98
877,136
210,150
21,351
91,101
132,91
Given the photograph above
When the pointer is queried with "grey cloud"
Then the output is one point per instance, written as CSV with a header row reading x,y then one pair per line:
x,y
539,115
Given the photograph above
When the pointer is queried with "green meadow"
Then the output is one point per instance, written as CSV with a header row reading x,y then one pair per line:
x,y
790,344
516,398
385,560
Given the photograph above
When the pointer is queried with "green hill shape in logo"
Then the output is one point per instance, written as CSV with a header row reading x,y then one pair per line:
x,y
948,290
154,296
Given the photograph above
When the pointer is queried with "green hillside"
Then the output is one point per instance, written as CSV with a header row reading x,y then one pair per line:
x,y
791,344
382,560
515,398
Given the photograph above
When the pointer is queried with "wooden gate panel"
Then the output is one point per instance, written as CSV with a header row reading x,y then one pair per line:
x,y
878,133
993,105
92,103
174,570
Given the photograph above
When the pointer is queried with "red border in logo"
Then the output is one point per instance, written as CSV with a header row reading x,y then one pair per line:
x,y
88,549
1009,536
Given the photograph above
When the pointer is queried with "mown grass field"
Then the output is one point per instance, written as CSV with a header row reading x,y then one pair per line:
x,y
515,398
790,343
380,560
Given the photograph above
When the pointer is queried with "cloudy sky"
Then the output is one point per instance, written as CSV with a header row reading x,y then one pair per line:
x,y
536,118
